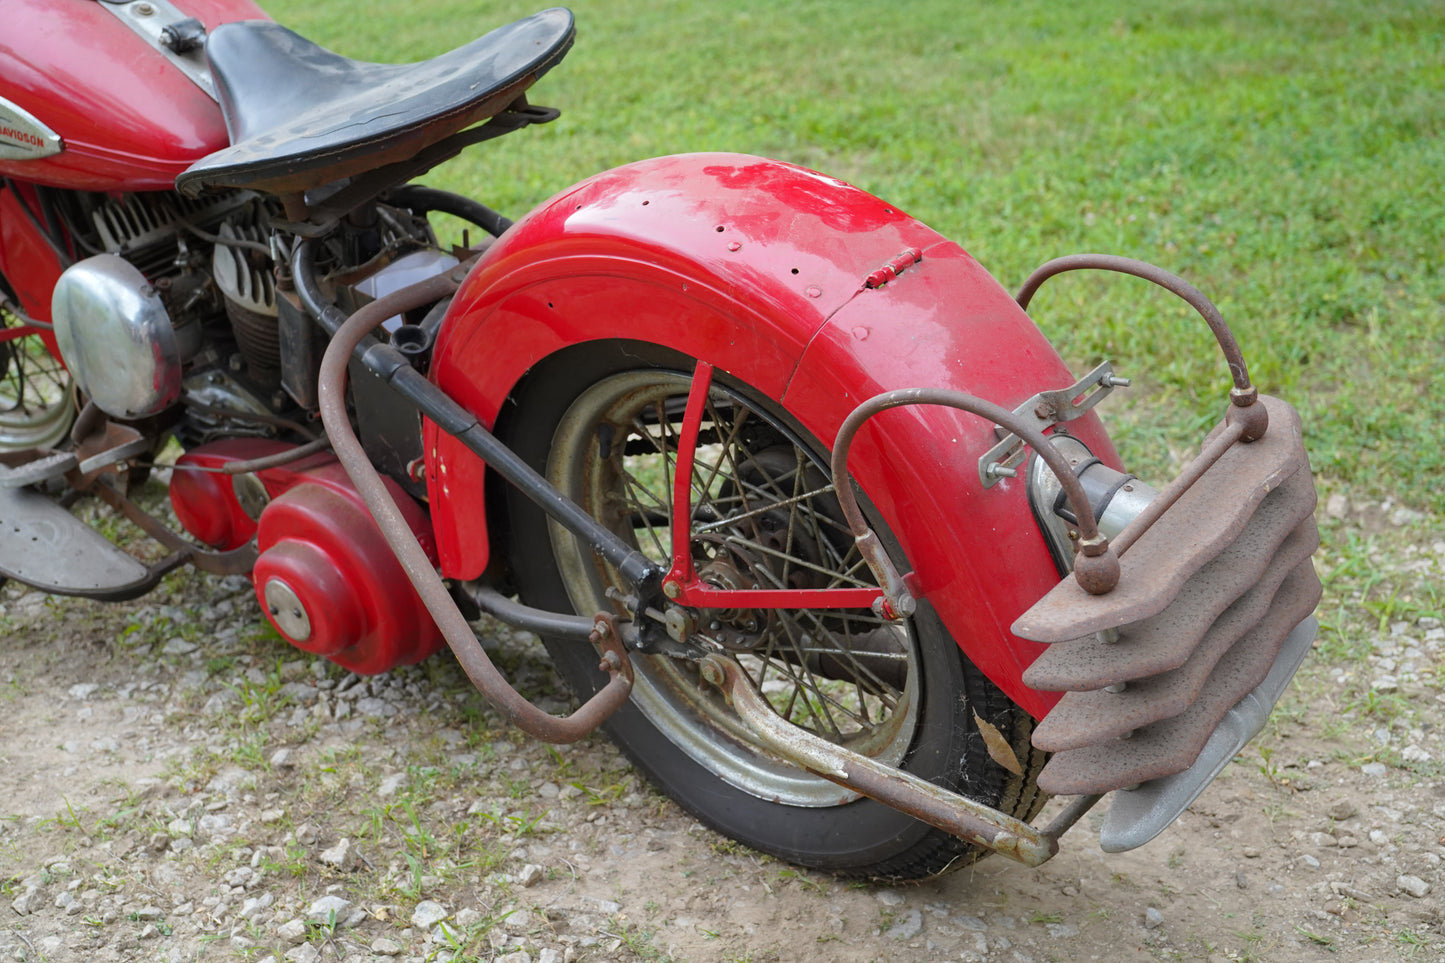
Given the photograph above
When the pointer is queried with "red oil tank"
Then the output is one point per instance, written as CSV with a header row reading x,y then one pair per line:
x,y
128,118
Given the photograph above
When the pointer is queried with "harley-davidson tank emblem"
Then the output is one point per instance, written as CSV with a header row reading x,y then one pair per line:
x,y
23,137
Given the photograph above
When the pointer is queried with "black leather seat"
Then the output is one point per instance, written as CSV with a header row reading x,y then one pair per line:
x,y
300,116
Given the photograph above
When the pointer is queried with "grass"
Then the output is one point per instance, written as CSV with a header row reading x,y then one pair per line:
x,y
1283,158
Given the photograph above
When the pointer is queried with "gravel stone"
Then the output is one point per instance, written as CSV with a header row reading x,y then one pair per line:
x,y
305,953
328,908
906,926
375,708
292,931
520,956
1414,886
25,902
427,914
341,856
1153,919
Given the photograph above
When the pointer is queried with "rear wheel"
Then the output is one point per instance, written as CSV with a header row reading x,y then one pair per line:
x,y
602,425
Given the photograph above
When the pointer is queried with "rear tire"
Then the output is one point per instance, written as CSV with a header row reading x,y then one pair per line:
x,y
597,421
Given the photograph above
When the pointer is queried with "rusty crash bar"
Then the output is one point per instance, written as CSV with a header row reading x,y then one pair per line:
x,y
963,817
478,666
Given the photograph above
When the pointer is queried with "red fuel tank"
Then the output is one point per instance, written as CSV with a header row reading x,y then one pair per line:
x,y
127,117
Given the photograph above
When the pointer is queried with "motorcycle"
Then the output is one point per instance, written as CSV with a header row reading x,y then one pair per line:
x,y
805,509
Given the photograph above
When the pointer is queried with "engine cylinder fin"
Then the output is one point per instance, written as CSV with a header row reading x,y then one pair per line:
x,y
250,295
1193,532
1280,533
1171,746
134,221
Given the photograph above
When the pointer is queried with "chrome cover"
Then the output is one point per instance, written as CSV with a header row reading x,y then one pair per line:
x,y
116,337
1116,498
23,136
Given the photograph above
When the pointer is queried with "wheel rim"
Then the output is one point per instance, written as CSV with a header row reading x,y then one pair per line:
x,y
764,516
36,400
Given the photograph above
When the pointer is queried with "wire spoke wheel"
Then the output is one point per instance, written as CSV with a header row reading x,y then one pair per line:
x,y
764,517
602,423
36,398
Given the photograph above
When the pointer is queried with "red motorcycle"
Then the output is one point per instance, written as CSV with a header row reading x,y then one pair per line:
x,y
801,502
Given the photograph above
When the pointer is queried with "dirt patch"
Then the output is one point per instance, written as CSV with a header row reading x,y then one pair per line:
x,y
178,784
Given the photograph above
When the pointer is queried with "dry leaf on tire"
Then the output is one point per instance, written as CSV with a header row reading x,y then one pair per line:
x,y
998,748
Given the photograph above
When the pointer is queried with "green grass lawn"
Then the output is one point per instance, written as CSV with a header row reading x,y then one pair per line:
x,y
1286,158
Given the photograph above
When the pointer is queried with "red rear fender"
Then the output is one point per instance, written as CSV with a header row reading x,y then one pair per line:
x,y
760,268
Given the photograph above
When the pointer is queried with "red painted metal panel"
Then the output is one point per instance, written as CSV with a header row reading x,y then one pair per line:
x,y
130,120
977,554
27,263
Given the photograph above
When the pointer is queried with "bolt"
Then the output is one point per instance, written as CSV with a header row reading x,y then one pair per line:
x,y
1116,688
671,589
712,673
1114,381
995,470
274,610
602,629
144,10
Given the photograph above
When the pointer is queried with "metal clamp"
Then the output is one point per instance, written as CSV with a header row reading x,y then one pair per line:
x,y
1046,409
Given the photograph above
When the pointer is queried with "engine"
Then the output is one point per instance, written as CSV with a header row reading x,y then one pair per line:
x,y
175,312
171,308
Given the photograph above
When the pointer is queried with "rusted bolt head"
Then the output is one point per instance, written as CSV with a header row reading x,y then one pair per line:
x,y
601,629
671,589
1097,574
712,673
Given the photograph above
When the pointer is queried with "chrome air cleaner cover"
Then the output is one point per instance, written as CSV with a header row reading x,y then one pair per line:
x,y
116,337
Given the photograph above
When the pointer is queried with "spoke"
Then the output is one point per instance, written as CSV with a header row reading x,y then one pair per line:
x,y
664,427
726,443
802,563
734,519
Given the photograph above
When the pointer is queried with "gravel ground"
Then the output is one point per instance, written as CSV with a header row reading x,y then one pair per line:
x,y
179,784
